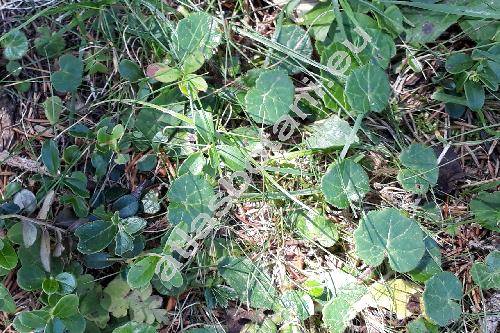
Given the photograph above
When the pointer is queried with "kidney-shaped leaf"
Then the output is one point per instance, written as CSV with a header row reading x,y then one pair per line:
x,y
270,98
15,45
388,233
487,274
95,236
421,169
441,298
197,32
368,89
344,182
430,263
189,197
69,77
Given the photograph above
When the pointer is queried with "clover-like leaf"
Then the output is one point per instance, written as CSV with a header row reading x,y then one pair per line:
x,y
487,274
114,299
421,169
342,308
441,296
69,77
145,307
486,210
329,133
270,98
15,45
389,233
250,282
297,39
317,228
344,182
49,44
189,197
368,89
95,236
197,32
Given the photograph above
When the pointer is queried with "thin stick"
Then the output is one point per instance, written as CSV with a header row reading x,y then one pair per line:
x,y
32,220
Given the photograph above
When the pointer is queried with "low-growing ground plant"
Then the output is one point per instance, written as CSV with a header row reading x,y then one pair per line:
x,y
249,166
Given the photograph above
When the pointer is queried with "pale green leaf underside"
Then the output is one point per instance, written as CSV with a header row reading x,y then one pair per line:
x,y
329,133
487,274
341,310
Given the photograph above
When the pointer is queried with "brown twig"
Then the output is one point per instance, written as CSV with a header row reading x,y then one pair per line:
x,y
32,220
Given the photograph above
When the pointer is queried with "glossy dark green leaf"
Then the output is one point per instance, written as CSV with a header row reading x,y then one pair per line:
x,y
95,236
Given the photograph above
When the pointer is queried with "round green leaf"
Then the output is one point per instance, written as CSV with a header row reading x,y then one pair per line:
x,y
50,286
129,70
197,32
368,89
389,233
297,304
66,307
487,274
69,77
297,39
441,298
189,196
421,169
330,132
15,45
95,236
270,98
343,183
67,283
